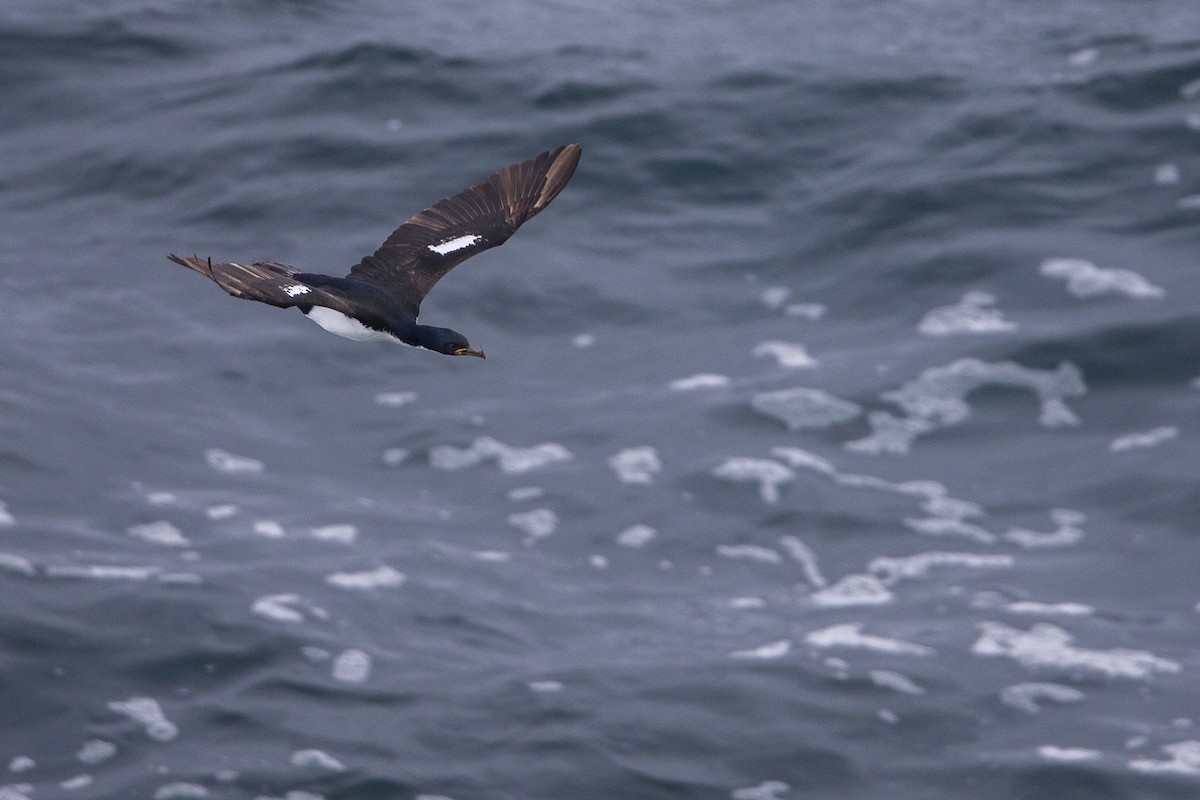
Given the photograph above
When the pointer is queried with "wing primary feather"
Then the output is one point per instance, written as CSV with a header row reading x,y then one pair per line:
x,y
408,264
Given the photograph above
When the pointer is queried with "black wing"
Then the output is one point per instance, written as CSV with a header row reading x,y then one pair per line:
x,y
265,281
441,237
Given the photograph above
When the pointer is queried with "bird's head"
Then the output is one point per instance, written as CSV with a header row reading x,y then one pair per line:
x,y
444,340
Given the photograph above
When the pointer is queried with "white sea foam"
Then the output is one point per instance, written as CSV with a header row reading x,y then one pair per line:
x,y
1149,438
767,790
269,528
286,607
939,526
636,536
315,654
1049,609
937,399
892,569
582,340
789,354
95,751
395,456
16,791
222,511
703,380
453,459
972,314
395,399
1166,174
840,667
768,474
21,764
1046,645
1067,533
890,434
766,652
160,498
1027,696
636,464
750,552
1069,755
160,532
851,635
799,457
775,296
948,514
1184,760
317,759
809,311
352,666
6,517
536,523
493,556
1085,279
15,563
340,532
545,687
853,590
232,464
887,679
748,602
805,557
523,493
804,408
146,712
178,790
76,783
1083,58
512,460
103,572
380,577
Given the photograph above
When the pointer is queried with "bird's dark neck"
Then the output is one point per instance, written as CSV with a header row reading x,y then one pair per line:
x,y
426,336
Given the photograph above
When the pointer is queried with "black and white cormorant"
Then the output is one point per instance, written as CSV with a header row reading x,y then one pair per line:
x,y
381,297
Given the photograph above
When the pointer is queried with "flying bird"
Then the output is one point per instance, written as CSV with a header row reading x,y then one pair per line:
x,y
381,297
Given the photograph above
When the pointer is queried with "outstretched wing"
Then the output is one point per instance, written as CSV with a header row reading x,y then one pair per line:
x,y
264,281
441,237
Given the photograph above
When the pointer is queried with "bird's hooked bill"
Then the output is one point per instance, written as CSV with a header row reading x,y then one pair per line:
x,y
467,351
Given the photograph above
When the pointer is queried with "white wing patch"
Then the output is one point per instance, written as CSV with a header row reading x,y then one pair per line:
x,y
457,243
296,289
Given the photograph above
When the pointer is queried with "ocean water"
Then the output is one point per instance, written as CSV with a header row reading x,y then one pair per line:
x,y
837,436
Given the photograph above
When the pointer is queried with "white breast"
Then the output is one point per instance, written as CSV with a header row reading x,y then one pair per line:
x,y
349,327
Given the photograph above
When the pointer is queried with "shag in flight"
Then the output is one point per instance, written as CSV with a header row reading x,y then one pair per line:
x,y
381,297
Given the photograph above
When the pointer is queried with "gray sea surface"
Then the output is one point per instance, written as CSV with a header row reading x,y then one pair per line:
x,y
837,436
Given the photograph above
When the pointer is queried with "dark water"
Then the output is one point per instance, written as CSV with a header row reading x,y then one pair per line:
x,y
242,558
